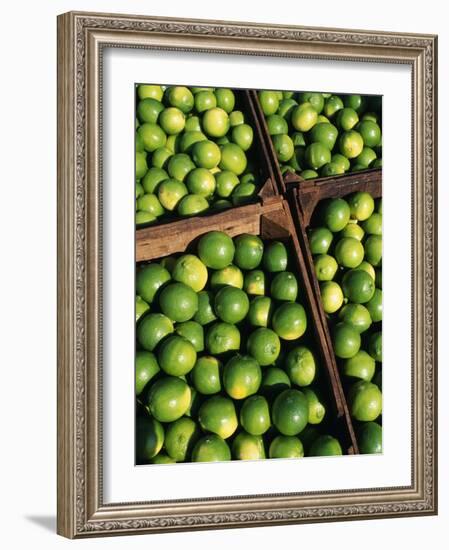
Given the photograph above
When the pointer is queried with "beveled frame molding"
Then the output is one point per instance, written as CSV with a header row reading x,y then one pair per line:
x,y
81,37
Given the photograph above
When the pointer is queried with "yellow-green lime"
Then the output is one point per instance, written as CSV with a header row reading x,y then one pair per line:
x,y
205,100
320,239
325,267
331,169
191,271
180,97
332,105
349,252
366,266
373,225
152,136
141,307
153,178
304,117
150,90
351,144
283,147
317,155
374,306
150,203
146,368
170,192
160,157
162,458
228,276
286,446
236,118
149,109
269,101
179,166
241,376
254,283
233,158
217,415
260,311
366,157
355,101
226,182
206,154
172,120
361,205
289,321
342,161
331,296
149,438
211,448
370,132
346,118
215,122
144,218
225,99
316,99
243,136
361,366
317,410
248,447
193,124
192,205
169,398
365,401
243,193
188,140
141,165
357,316
201,181
353,230
300,366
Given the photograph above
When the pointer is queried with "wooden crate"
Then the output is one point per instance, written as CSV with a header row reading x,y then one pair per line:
x,y
268,189
272,221
289,181
304,199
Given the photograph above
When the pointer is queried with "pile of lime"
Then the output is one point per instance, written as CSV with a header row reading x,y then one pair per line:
x,y
193,152
346,242
321,134
225,366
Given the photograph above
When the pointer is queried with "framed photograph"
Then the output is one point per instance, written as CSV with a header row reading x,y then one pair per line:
x,y
247,249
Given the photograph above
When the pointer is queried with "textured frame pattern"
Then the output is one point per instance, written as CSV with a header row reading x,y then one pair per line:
x,y
81,37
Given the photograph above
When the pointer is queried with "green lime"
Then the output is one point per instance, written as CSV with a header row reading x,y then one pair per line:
x,y
226,182
286,446
180,97
216,249
374,306
274,380
342,161
365,401
144,218
285,109
217,415
260,311
170,192
277,125
317,410
320,240
366,157
205,313
289,321
300,366
150,203
284,287
172,120
160,157
225,99
148,110
351,144
346,341
231,304
254,283
169,399
176,355
264,345
325,267
308,174
370,132
275,257
139,190
180,438
146,368
191,271
375,346
248,251
162,458
206,375
243,136
211,448
168,263
358,286
222,337
141,165
152,136
324,133
149,90
179,166
243,193
357,316
193,332
325,445
335,215
153,178
178,302
346,119
290,412
201,181
361,205
283,147
369,438
255,415
173,142
332,105
149,438
248,447
152,329
269,102
317,155
316,99
189,139
353,230
373,250
331,169
149,279
193,124
362,366
304,117
206,154
366,266
355,101
241,376
373,225
205,100
331,296
228,276
141,307
192,205
349,252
